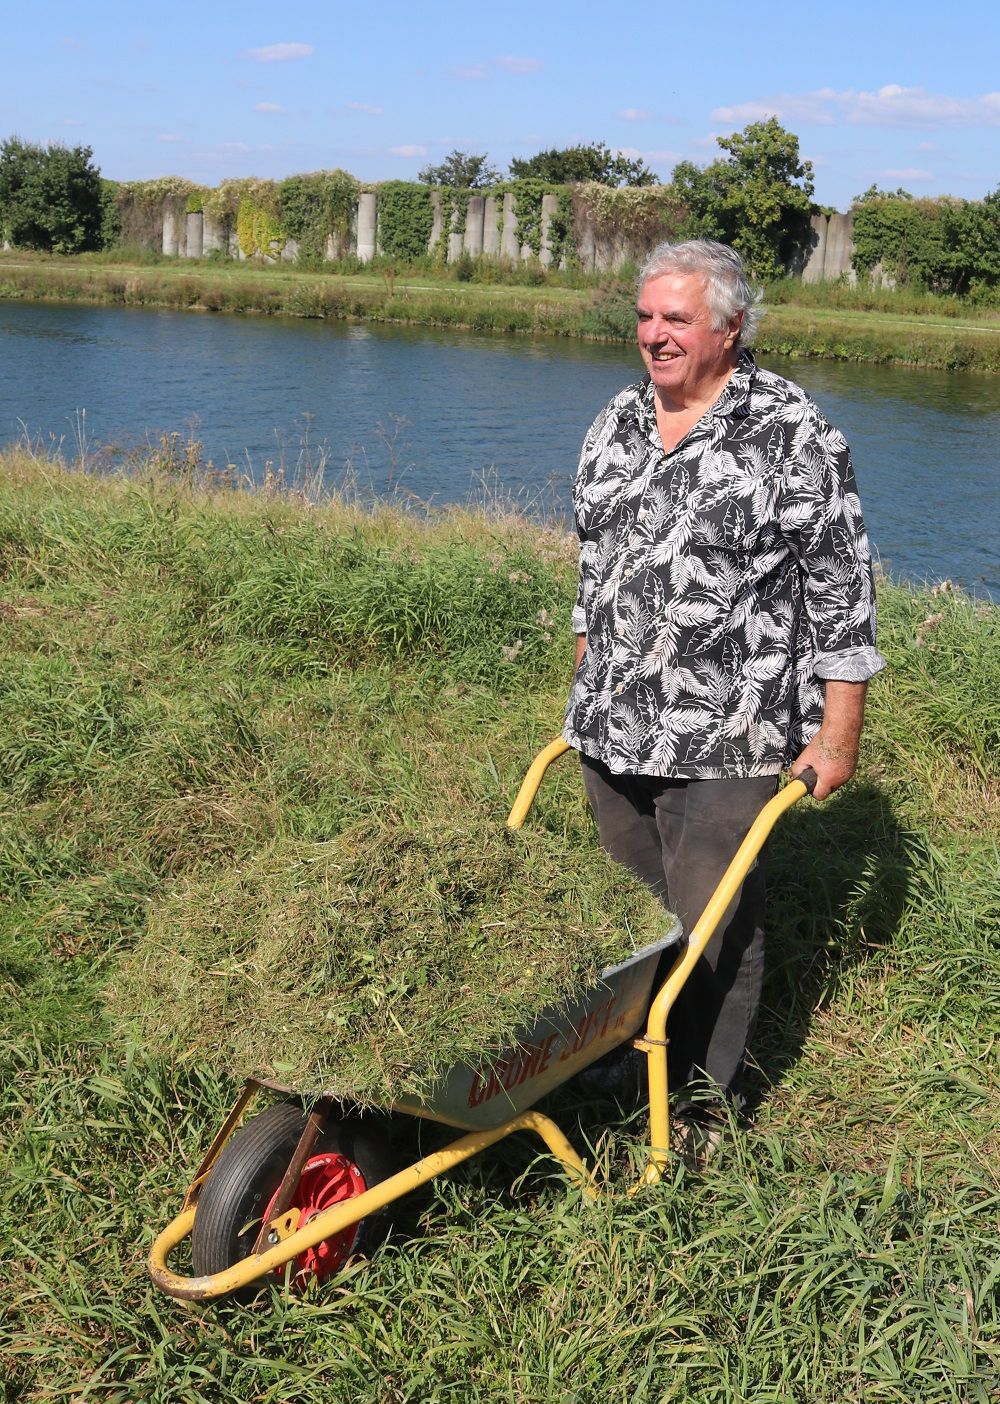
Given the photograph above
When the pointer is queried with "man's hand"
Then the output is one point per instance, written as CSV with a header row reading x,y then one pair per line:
x,y
833,751
581,649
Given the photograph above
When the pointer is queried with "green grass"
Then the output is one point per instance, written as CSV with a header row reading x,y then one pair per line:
x,y
828,321
194,680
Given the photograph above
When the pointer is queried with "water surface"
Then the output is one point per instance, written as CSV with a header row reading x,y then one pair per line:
x,y
445,416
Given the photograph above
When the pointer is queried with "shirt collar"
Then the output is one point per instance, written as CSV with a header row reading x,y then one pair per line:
x,y
734,402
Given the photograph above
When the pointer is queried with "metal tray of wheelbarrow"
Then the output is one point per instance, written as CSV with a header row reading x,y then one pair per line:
x,y
562,1040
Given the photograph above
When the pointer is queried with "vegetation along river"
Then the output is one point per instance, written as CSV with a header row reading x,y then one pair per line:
x,y
453,417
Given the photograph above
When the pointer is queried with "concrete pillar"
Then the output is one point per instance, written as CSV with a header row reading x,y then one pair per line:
x,y
586,245
338,244
169,232
510,244
366,226
195,235
550,208
839,246
491,233
475,228
812,268
437,221
455,238
213,234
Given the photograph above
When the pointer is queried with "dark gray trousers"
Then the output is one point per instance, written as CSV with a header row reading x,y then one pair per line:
x,y
679,837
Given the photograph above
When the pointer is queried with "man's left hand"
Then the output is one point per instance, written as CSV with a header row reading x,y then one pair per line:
x,y
833,751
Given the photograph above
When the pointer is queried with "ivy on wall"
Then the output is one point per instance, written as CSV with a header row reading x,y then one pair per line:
x,y
528,196
316,207
405,215
454,213
528,208
945,245
639,216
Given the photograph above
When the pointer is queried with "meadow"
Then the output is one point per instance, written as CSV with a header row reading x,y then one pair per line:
x,y
825,321
194,676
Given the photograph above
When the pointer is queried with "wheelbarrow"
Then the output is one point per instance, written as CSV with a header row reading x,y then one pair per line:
x,y
307,1181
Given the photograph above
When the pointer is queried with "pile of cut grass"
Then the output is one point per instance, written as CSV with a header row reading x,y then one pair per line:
x,y
370,964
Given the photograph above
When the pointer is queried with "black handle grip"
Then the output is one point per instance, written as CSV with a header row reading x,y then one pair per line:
x,y
808,778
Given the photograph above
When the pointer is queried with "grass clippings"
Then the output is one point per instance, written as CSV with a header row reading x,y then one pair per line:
x,y
370,964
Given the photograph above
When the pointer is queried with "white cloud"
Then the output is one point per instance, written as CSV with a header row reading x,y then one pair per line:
x,y
659,158
634,114
408,150
365,107
787,107
889,106
508,63
907,173
168,136
269,107
279,53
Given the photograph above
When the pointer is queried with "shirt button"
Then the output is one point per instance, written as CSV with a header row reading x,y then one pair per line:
x,y
620,688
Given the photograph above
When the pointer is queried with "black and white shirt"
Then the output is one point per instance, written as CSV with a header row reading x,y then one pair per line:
x,y
720,583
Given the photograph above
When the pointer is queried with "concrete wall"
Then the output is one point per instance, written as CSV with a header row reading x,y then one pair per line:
x,y
829,258
491,231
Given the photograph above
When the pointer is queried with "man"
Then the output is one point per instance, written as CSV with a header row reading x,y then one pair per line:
x,y
725,625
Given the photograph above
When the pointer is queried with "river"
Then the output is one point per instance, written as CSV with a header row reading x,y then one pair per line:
x,y
445,416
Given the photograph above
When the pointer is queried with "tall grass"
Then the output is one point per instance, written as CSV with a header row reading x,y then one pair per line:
x,y
190,676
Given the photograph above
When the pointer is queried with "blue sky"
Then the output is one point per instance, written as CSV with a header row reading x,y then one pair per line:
x,y
885,92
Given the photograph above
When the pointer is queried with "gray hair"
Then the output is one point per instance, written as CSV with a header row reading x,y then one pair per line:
x,y
727,289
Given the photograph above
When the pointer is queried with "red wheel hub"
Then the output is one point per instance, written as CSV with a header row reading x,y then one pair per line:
x,y
327,1179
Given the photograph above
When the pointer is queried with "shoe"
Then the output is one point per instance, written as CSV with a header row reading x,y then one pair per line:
x,y
695,1142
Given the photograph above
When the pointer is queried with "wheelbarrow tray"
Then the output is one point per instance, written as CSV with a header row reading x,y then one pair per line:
x,y
562,1039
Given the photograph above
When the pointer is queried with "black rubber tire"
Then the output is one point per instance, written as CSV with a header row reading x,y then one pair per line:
x,y
249,1171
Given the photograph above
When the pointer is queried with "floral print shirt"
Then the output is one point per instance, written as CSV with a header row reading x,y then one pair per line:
x,y
720,583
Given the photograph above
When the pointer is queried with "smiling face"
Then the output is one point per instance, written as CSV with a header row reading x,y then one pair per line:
x,y
687,361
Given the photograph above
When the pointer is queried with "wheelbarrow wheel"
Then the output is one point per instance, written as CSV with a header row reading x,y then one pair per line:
x,y
346,1160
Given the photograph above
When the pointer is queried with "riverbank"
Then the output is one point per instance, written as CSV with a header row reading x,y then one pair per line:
x,y
916,333
179,691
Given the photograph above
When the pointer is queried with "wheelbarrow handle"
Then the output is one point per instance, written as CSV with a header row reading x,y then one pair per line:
x,y
532,780
808,777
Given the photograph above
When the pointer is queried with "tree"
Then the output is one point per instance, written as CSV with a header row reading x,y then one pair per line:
x,y
461,171
50,197
571,164
758,198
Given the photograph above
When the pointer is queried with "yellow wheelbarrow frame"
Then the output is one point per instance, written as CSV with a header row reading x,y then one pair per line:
x,y
291,1241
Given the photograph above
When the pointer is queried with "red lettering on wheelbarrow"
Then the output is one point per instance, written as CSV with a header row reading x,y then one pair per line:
x,y
593,1025
528,1061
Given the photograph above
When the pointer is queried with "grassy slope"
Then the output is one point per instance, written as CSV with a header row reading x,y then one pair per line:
x,y
831,323
151,731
